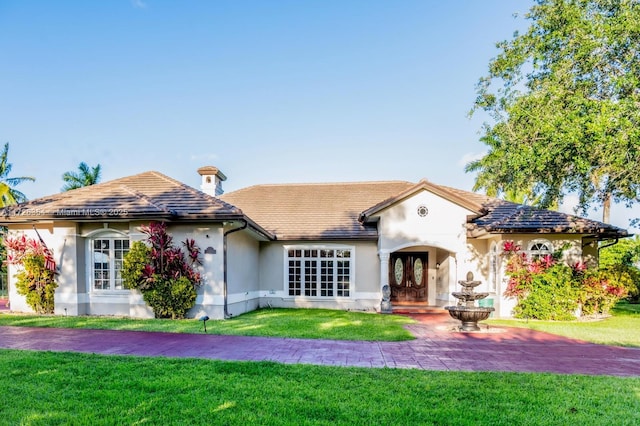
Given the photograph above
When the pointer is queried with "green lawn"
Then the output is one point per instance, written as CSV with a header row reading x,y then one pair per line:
x,y
294,323
622,328
45,388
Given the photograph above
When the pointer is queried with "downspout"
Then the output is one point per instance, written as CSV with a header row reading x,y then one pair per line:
x,y
600,247
224,256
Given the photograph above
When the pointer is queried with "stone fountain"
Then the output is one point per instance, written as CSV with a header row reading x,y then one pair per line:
x,y
466,310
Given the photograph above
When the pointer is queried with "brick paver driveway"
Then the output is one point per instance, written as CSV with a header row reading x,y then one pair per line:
x,y
436,348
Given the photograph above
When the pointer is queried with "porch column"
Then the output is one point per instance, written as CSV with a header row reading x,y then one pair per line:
x,y
385,304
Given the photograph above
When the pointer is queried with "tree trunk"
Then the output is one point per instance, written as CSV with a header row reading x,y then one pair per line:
x,y
606,209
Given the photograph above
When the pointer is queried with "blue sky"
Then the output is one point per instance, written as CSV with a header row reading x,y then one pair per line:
x,y
268,91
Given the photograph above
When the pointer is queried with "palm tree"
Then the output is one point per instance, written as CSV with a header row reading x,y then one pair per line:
x,y
524,197
86,176
8,194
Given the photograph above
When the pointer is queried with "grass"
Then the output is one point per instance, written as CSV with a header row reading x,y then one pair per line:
x,y
82,389
621,329
293,323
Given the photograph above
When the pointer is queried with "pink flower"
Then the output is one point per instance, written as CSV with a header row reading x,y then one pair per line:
x,y
579,266
510,247
547,261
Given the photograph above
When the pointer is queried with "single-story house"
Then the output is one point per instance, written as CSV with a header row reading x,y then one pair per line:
x,y
322,245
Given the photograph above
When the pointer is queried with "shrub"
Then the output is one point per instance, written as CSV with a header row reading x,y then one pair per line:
x,y
550,296
36,275
164,274
600,292
548,290
620,262
170,298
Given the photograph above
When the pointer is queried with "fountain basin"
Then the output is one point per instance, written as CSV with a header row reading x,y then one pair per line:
x,y
466,296
470,284
469,315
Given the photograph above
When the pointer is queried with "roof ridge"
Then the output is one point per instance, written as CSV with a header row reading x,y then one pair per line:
x,y
281,185
363,182
147,199
195,191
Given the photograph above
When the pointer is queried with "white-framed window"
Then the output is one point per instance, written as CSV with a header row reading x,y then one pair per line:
x,y
494,267
106,256
318,271
539,248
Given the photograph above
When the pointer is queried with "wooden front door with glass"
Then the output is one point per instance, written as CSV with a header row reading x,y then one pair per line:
x,y
408,277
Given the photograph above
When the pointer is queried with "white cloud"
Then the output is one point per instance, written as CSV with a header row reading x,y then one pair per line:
x,y
470,156
204,157
138,4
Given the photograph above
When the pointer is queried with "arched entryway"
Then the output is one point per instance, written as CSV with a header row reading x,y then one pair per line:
x,y
418,275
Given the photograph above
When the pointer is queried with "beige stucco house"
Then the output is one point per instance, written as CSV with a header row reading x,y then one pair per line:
x,y
326,245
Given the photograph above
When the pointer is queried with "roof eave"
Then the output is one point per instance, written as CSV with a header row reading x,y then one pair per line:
x,y
337,237
423,185
597,233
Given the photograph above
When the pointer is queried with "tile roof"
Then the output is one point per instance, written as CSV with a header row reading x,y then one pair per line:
x,y
315,210
504,217
145,195
340,210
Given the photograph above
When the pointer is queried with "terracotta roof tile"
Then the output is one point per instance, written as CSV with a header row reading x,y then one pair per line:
x,y
145,195
333,210
291,211
315,210
506,217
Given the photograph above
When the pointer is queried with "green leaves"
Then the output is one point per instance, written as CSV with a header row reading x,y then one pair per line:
x,y
86,176
8,194
564,102
164,274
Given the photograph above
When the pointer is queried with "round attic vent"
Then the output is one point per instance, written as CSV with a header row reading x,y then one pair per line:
x,y
423,211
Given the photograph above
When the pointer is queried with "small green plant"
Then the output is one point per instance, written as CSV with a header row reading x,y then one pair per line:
x,y
36,277
164,274
549,290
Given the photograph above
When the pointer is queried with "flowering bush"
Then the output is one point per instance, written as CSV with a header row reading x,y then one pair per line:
x,y
547,289
165,274
599,292
621,261
36,275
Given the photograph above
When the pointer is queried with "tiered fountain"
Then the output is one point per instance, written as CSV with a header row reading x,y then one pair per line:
x,y
466,309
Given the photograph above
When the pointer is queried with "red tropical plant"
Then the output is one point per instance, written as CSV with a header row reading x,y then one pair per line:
x,y
164,273
35,278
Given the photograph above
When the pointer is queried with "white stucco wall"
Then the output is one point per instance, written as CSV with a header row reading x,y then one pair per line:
x,y
441,233
400,225
243,272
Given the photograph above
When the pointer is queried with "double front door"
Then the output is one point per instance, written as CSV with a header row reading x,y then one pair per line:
x,y
408,277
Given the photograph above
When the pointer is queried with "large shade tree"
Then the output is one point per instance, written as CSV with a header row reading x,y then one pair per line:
x,y
563,106
86,176
9,195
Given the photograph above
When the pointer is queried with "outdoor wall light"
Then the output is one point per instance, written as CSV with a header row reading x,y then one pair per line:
x,y
438,265
204,320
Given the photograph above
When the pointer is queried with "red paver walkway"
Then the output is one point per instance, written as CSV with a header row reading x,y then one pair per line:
x,y
436,348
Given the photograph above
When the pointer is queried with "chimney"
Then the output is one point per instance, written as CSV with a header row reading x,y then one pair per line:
x,y
211,180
